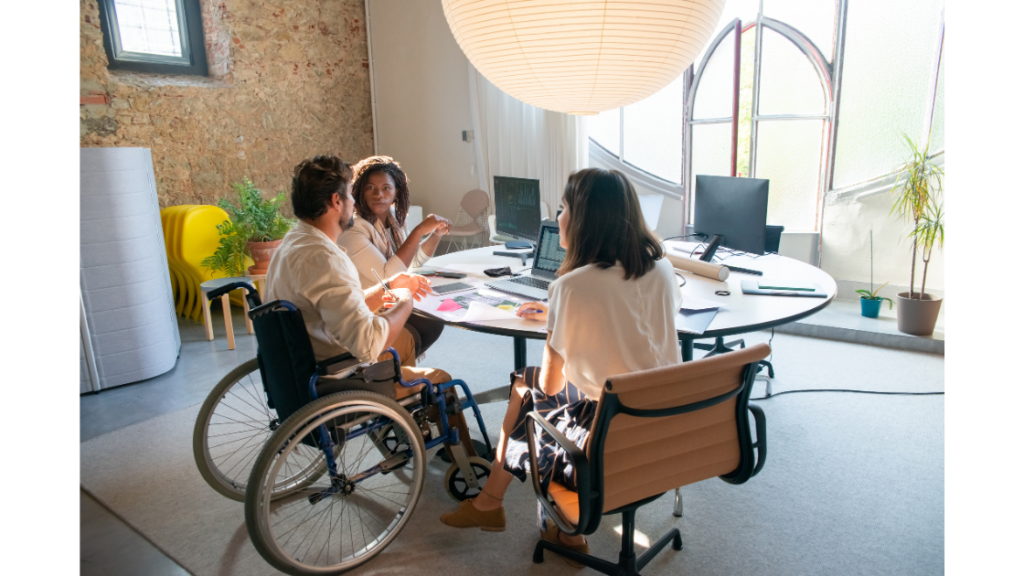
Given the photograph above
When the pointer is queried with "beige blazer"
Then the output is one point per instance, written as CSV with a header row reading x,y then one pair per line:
x,y
370,248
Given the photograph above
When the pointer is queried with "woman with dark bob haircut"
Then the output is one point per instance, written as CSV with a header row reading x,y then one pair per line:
x,y
611,311
377,241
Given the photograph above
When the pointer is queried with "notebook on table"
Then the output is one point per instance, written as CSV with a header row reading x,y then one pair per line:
x,y
754,287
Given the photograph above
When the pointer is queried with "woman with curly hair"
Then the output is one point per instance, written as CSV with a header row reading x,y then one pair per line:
x,y
377,240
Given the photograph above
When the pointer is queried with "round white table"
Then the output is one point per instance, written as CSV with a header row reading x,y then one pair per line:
x,y
738,313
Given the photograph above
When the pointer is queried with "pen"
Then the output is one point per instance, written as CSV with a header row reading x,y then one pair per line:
x,y
532,311
383,285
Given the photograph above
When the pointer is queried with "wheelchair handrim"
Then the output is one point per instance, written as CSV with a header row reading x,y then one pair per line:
x,y
370,549
307,474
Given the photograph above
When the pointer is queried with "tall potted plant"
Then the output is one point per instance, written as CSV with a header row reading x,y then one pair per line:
x,y
256,228
916,194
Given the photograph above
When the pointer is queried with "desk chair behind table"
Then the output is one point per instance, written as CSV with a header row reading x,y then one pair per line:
x,y
329,457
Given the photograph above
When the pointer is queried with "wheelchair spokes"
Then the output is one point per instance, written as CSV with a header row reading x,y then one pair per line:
x,y
337,521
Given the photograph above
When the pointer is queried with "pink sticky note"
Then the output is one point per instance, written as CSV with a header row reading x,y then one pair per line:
x,y
449,305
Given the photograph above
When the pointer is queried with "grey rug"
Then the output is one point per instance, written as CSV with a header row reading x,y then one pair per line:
x,y
853,485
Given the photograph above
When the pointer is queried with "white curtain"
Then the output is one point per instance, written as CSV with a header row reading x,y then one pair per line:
x,y
515,139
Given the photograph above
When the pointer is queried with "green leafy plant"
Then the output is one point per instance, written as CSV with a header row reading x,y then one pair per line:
x,y
918,183
257,219
868,295
254,219
229,257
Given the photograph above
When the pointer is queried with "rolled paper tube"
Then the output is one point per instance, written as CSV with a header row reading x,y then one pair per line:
x,y
705,269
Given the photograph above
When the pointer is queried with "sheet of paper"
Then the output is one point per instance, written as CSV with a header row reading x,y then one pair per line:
x,y
480,312
693,303
449,305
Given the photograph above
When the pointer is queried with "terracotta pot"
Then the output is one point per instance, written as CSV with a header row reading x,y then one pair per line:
x,y
261,253
915,316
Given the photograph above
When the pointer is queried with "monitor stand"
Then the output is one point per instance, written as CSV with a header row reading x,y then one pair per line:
x,y
518,244
709,252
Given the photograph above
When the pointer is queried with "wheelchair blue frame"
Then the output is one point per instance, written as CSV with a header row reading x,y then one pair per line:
x,y
434,394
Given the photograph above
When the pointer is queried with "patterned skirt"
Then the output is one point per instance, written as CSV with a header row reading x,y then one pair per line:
x,y
570,411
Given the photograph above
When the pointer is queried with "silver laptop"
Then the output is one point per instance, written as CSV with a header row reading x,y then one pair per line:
x,y
546,261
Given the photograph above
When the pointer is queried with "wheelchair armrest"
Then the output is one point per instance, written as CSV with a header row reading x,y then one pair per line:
x,y
579,463
762,439
337,364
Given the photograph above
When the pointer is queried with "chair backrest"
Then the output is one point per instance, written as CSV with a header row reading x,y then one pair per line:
x,y
475,203
285,356
636,456
772,238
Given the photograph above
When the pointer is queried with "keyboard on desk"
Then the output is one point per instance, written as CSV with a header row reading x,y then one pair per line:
x,y
530,281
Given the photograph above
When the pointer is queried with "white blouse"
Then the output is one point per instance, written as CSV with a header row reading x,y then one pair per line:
x,y
603,325
367,244
309,270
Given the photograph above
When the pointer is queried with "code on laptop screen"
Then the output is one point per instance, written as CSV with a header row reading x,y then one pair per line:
x,y
549,253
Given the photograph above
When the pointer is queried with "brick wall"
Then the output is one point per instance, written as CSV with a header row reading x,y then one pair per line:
x,y
288,79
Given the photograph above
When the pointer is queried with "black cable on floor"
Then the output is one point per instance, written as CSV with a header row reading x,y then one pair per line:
x,y
852,392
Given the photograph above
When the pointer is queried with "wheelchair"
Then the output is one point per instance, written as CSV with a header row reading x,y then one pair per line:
x,y
327,457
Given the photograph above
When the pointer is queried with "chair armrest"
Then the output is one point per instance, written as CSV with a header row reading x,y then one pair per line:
x,y
762,439
579,463
337,364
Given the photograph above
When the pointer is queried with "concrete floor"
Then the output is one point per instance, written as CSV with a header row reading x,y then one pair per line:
x,y
110,547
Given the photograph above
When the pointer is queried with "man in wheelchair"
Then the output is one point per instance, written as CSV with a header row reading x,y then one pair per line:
x,y
324,435
312,272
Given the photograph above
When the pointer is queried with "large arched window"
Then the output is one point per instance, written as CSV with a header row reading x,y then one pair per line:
x,y
813,96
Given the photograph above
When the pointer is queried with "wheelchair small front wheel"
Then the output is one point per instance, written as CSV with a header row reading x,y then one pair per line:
x,y
455,482
344,518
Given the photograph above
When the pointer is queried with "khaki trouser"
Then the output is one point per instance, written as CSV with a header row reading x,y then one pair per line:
x,y
406,348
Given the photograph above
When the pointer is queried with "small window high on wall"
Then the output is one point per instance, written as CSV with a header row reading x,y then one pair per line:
x,y
155,36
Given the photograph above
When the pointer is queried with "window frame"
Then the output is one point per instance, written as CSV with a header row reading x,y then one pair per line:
x,y
192,61
830,75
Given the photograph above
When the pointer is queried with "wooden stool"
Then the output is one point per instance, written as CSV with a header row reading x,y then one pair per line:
x,y
225,304
260,280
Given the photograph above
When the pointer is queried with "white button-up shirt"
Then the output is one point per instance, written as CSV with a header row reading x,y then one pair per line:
x,y
317,276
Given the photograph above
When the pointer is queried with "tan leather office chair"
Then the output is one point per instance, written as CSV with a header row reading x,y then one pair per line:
x,y
655,430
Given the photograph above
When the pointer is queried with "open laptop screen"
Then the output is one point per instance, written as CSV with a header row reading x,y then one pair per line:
x,y
549,253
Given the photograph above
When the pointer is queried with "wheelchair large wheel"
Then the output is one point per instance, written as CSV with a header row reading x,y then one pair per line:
x,y
233,425
339,521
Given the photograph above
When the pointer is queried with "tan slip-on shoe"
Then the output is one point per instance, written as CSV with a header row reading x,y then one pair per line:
x,y
551,535
465,516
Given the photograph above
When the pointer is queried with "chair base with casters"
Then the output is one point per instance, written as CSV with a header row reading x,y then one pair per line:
x,y
331,451
654,431
721,347
629,564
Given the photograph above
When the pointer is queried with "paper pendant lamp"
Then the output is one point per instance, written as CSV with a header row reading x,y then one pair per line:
x,y
582,56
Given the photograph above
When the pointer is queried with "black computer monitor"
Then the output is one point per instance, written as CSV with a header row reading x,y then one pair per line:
x,y
734,208
517,207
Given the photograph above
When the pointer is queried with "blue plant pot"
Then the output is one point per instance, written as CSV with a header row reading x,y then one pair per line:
x,y
870,308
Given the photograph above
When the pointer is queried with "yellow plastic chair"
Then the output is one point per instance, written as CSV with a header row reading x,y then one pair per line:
x,y
199,240
171,218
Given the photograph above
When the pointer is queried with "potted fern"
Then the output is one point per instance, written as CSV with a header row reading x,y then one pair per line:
x,y
916,202
255,229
